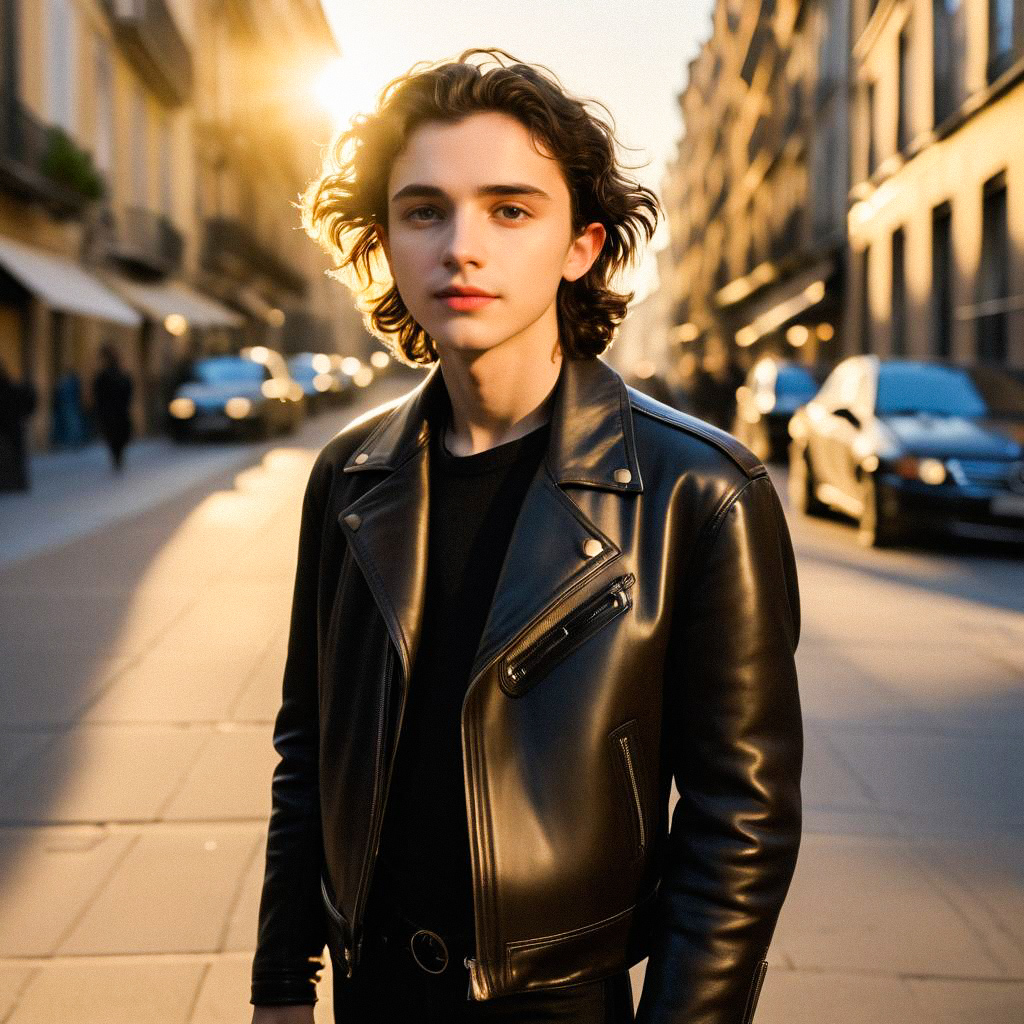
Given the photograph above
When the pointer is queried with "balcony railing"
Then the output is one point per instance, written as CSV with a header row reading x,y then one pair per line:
x,y
230,248
40,163
156,48
148,241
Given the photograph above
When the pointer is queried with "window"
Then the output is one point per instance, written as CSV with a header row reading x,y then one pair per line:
x,y
60,64
140,145
103,150
898,346
942,280
166,150
8,50
872,149
993,274
950,25
1000,36
903,85
865,299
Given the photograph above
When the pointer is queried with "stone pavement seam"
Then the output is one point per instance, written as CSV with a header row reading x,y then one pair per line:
x,y
939,879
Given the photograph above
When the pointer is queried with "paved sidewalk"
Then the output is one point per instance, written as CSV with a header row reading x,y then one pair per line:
x,y
142,672
75,492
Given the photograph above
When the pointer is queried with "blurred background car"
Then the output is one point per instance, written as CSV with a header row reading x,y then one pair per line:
x,y
321,379
773,390
250,394
908,447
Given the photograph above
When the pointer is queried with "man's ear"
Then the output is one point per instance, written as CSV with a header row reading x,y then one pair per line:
x,y
583,251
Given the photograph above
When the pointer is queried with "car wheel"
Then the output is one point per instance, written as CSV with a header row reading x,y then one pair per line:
x,y
876,529
802,484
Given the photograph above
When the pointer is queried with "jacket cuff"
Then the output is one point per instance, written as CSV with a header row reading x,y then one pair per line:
x,y
285,987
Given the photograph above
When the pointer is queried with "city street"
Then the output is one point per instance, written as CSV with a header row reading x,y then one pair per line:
x,y
144,639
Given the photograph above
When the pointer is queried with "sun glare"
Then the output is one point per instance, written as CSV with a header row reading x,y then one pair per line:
x,y
344,88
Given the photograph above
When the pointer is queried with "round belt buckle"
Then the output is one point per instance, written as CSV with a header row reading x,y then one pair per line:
x,y
429,951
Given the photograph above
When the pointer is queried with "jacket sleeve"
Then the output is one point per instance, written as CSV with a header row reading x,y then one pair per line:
x,y
291,932
734,737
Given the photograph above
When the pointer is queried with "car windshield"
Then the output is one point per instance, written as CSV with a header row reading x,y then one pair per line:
x,y
796,382
228,368
911,388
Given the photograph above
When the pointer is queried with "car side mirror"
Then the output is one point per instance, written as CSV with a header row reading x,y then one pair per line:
x,y
848,415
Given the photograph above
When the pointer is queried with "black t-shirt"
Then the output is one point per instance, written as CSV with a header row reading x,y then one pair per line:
x,y
423,867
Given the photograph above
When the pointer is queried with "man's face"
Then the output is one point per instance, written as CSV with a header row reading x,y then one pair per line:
x,y
474,205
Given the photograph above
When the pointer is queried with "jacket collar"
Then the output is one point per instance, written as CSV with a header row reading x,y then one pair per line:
x,y
551,552
591,443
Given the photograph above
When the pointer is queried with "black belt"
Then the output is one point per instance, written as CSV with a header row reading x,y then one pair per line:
x,y
432,951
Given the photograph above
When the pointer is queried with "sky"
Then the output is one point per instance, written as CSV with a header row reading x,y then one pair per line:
x,y
630,56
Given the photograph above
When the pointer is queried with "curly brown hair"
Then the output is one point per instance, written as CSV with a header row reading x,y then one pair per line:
x,y
342,208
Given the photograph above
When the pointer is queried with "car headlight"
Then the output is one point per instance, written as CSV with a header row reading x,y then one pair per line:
x,y
182,408
238,408
929,470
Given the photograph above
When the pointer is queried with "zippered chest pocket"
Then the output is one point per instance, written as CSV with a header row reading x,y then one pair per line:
x,y
527,665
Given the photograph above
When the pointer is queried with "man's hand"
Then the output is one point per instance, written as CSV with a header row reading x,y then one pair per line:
x,y
283,1014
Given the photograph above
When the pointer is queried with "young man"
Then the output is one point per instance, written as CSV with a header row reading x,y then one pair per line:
x,y
527,599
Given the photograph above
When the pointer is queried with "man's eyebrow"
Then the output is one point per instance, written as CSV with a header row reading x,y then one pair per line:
x,y
416,191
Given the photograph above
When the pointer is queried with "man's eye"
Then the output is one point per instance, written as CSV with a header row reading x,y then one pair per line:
x,y
513,212
421,213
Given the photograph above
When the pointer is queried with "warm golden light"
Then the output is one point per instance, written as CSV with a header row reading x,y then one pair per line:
x,y
238,408
379,359
275,317
182,408
825,332
351,365
363,377
175,324
797,335
321,363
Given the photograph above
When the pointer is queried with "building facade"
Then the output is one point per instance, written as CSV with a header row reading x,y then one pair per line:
x,y
936,217
150,154
757,196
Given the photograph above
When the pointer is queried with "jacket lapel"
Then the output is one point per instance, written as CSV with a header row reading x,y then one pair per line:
x,y
555,546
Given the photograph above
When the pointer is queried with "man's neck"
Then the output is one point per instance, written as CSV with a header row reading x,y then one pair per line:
x,y
497,395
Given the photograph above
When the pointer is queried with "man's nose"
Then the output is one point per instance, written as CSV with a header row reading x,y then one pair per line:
x,y
464,243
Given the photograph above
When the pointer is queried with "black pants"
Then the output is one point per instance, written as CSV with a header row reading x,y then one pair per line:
x,y
389,986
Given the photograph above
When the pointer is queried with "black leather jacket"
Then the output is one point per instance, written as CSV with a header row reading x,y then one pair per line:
x,y
643,630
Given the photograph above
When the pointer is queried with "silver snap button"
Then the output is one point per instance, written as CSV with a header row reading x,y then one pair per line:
x,y
592,547
622,476
353,520
360,458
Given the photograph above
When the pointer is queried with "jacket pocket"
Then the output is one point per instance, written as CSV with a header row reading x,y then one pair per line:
x,y
755,991
337,918
527,665
627,754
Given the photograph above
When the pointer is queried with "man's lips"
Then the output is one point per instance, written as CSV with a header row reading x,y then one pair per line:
x,y
465,299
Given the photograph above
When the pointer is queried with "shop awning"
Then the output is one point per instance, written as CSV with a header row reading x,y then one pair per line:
x,y
786,300
62,284
174,298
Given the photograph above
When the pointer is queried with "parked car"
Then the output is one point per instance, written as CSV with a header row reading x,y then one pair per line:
x,y
250,394
321,379
773,390
907,447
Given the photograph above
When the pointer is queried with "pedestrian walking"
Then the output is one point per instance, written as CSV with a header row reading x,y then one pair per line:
x,y
111,397
527,598
17,402
69,426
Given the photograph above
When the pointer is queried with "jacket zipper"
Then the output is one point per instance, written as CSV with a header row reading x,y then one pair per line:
x,y
631,772
585,614
588,615
376,820
342,925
